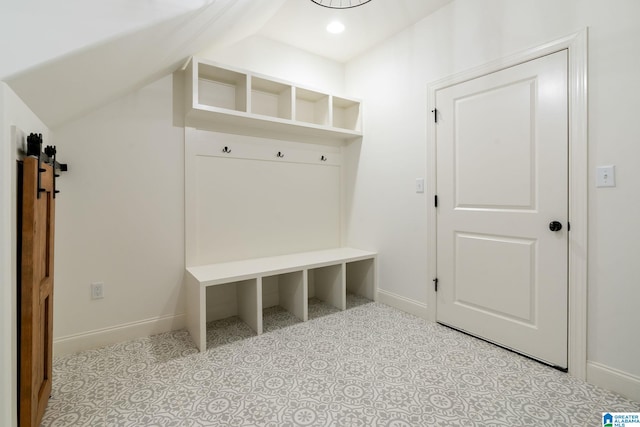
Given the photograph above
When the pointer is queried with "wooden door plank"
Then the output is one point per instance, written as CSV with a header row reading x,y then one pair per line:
x,y
36,291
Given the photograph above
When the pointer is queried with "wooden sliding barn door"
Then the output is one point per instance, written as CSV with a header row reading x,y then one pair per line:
x,y
36,290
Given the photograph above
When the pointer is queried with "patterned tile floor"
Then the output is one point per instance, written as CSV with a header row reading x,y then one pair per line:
x,y
370,365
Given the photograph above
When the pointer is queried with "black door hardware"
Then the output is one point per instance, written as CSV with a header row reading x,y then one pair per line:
x,y
555,226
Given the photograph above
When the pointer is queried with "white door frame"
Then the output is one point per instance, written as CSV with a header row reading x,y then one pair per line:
x,y
576,45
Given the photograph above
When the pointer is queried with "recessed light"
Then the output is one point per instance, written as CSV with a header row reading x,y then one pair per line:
x,y
335,27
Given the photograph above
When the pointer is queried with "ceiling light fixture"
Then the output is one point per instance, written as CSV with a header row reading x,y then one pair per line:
x,y
340,4
335,27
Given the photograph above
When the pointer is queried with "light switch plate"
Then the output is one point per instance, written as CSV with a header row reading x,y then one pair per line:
x,y
606,176
420,185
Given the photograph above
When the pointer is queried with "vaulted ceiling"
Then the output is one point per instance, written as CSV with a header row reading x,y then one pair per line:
x,y
302,23
65,57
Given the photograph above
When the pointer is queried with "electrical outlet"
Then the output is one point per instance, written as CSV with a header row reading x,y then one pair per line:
x,y
97,291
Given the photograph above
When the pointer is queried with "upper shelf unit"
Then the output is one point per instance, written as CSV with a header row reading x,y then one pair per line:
x,y
227,96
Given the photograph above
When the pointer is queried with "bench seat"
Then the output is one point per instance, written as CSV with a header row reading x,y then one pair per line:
x,y
343,265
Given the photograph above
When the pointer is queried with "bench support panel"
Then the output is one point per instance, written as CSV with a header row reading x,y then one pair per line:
x,y
292,291
249,294
196,311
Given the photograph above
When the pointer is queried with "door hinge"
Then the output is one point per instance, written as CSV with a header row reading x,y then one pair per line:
x,y
435,284
568,226
435,200
435,115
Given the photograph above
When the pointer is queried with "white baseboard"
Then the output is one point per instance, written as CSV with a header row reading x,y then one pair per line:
x,y
612,379
401,303
115,334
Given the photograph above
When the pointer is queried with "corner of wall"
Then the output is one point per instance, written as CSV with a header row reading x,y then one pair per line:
x,y
106,336
613,379
407,305
7,338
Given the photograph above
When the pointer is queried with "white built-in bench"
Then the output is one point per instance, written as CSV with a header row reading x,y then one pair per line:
x,y
330,273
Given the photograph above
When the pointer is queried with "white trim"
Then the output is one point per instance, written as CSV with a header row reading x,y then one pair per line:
x,y
576,44
578,203
612,379
115,334
8,389
401,303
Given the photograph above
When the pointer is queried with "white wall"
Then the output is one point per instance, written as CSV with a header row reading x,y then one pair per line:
x,y
13,112
250,204
393,78
120,220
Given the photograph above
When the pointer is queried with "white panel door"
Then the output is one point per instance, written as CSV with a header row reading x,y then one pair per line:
x,y
502,179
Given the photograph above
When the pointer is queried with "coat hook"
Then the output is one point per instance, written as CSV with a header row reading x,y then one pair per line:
x,y
280,155
226,150
323,158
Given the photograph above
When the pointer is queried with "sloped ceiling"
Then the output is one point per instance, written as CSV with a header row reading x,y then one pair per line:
x,y
302,23
67,57
35,31
123,52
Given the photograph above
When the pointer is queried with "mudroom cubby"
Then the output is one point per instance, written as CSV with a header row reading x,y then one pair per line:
x,y
219,95
271,98
264,233
234,299
286,278
346,113
220,88
360,278
312,107
287,291
328,285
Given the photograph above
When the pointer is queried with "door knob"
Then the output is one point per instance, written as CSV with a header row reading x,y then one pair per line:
x,y
555,226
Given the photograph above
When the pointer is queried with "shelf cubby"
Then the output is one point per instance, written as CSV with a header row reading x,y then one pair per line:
x,y
287,291
271,98
237,298
327,284
360,276
312,107
346,113
221,97
221,88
